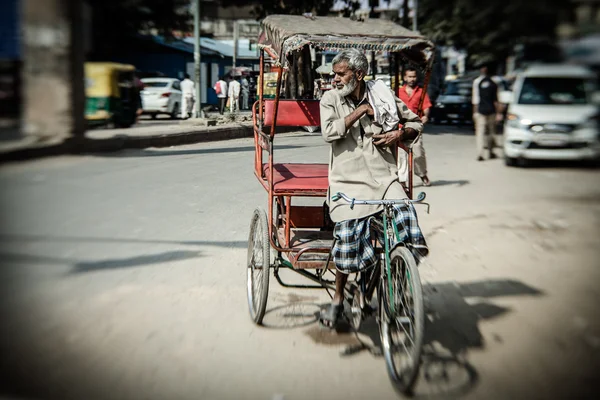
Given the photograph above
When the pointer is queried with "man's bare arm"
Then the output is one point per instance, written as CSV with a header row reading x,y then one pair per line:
x,y
355,115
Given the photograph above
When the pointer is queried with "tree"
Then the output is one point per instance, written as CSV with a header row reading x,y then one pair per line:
x,y
490,29
114,21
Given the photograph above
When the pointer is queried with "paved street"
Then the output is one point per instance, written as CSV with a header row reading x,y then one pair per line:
x,y
123,277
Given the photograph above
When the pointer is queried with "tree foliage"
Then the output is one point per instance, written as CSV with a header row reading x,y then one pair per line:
x,y
492,28
113,21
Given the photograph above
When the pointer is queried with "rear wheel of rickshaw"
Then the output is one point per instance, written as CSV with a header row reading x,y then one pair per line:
x,y
402,320
258,265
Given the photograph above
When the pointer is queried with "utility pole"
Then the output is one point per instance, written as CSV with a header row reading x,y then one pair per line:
x,y
235,44
197,57
415,8
405,13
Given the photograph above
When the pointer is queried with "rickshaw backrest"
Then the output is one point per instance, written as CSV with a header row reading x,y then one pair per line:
x,y
293,113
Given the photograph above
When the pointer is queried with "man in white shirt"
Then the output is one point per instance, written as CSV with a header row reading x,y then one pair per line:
x,y
234,95
188,96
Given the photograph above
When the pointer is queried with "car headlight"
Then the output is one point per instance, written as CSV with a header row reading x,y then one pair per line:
x,y
440,105
514,121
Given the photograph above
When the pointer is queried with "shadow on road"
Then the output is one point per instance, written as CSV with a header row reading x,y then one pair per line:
x,y
454,312
145,260
89,266
62,239
441,182
449,129
135,153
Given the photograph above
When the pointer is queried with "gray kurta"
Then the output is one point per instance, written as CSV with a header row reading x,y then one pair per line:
x,y
357,167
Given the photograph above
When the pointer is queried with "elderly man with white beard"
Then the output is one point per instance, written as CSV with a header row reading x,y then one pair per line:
x,y
362,160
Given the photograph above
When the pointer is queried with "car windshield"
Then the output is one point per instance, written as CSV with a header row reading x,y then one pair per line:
x,y
458,89
156,84
553,91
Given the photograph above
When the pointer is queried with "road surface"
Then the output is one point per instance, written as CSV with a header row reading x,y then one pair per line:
x,y
123,277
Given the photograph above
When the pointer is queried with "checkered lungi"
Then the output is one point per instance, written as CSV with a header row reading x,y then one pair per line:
x,y
353,250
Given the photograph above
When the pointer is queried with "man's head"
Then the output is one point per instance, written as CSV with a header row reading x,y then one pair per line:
x,y
410,76
187,76
350,67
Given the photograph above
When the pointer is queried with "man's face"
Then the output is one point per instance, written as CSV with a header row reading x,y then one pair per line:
x,y
410,78
345,80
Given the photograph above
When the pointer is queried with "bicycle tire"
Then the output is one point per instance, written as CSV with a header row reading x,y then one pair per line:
x,y
258,264
403,377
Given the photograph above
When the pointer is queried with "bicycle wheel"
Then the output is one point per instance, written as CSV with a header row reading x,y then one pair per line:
x,y
402,320
258,265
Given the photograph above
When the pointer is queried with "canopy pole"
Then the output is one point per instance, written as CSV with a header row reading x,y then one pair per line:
x,y
373,65
425,84
262,86
396,73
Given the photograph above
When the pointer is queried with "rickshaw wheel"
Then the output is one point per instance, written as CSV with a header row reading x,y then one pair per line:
x,y
258,264
402,329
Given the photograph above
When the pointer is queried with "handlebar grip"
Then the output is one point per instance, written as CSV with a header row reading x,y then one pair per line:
x,y
336,197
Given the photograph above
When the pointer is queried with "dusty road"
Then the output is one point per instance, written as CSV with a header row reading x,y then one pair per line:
x,y
123,277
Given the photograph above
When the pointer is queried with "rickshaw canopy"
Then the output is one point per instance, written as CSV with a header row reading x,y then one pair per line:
x,y
284,34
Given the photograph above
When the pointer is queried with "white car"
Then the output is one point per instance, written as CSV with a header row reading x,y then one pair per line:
x,y
161,96
552,115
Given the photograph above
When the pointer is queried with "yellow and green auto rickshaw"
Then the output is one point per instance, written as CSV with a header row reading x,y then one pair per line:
x,y
112,97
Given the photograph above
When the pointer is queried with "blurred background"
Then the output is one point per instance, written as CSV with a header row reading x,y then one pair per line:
x,y
123,274
45,44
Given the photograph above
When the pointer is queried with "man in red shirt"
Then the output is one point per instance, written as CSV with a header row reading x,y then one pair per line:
x,y
410,94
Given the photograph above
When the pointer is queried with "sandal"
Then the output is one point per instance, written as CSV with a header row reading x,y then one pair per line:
x,y
330,315
426,181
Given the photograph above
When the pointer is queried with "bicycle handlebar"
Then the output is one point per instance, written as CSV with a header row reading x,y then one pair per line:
x,y
353,202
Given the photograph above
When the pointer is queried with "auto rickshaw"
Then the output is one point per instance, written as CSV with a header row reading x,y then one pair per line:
x,y
270,85
112,97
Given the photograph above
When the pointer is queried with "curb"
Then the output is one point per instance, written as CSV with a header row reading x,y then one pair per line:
x,y
123,142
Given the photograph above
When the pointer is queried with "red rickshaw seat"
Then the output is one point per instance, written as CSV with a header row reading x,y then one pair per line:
x,y
298,178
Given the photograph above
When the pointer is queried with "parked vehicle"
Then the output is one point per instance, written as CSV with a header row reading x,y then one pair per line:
x,y
454,104
552,115
111,96
161,96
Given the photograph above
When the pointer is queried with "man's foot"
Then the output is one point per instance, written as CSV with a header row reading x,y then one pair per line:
x,y
492,156
426,181
331,314
479,158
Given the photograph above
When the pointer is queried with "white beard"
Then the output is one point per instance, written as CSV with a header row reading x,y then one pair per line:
x,y
348,88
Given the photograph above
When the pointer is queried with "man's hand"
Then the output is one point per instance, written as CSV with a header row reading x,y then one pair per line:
x,y
424,119
386,139
368,109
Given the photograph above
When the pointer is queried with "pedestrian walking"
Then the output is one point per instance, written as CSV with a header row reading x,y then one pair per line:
x,y
410,93
188,96
234,95
221,90
245,87
486,111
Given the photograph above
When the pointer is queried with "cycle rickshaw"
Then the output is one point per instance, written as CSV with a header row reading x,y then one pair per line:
x,y
299,234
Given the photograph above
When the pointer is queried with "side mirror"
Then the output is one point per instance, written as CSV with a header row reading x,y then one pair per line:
x,y
596,98
505,97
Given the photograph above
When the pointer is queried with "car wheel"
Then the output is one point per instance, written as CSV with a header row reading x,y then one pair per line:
x,y
175,111
510,161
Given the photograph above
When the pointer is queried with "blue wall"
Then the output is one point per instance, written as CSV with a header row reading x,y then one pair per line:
x,y
9,30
